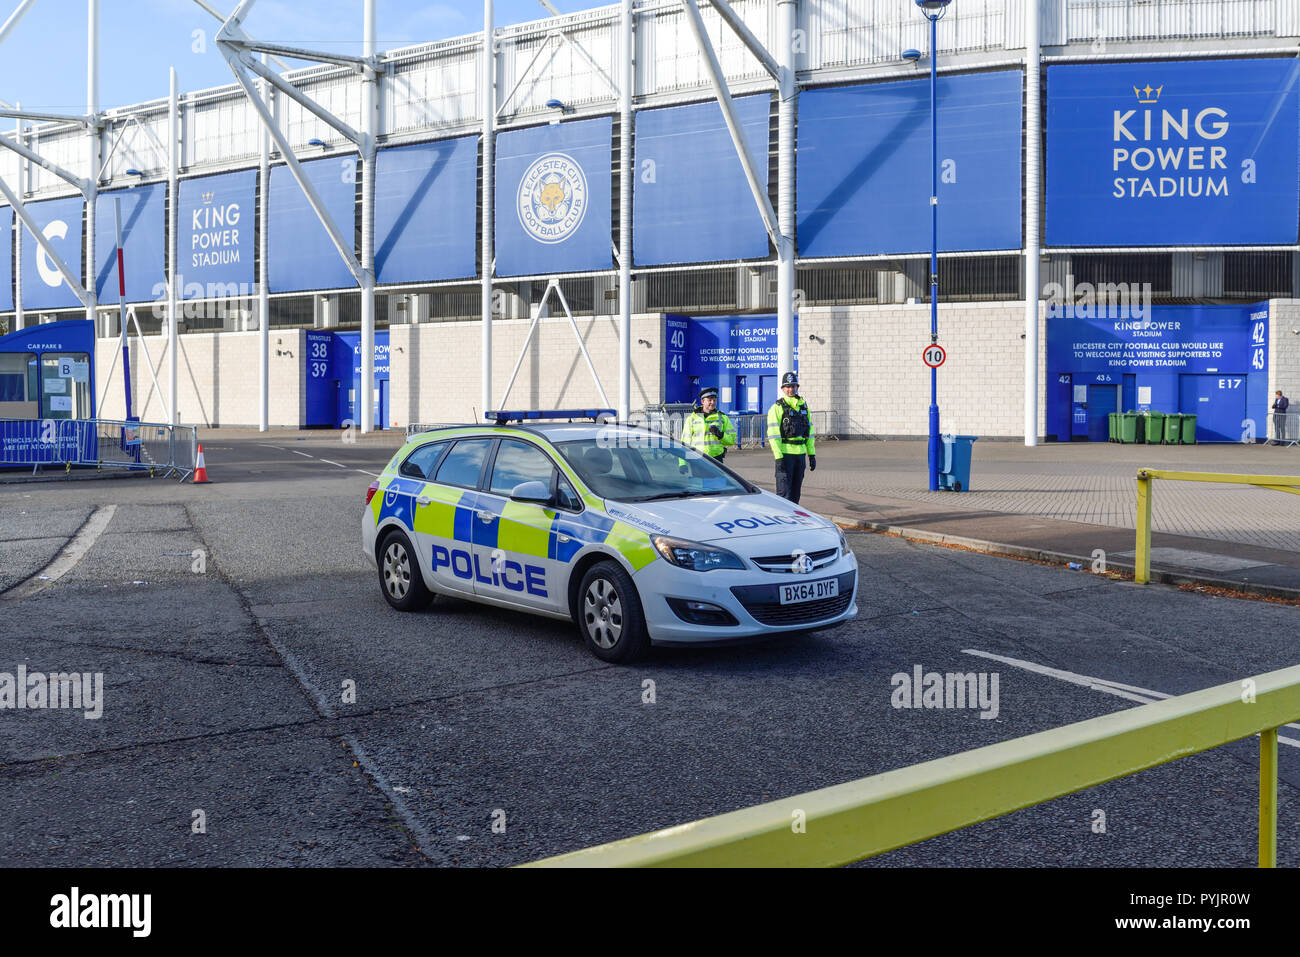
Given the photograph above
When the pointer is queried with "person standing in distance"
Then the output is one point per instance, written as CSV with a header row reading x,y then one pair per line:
x,y
1280,405
790,433
708,430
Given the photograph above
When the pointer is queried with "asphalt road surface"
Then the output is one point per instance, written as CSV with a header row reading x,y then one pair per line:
x,y
230,620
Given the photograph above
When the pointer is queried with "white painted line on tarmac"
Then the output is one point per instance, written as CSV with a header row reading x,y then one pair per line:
x,y
1131,692
364,472
328,462
68,555
296,452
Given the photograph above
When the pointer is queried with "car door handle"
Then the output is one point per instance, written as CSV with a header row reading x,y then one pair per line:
x,y
422,500
486,516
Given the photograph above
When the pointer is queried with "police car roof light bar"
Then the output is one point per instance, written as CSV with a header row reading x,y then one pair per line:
x,y
502,417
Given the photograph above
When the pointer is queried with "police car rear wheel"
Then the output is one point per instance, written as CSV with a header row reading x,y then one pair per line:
x,y
399,575
610,616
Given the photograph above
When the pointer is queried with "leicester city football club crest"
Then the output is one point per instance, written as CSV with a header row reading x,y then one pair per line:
x,y
552,198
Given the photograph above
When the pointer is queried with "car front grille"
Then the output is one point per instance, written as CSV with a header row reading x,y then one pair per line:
x,y
761,601
784,563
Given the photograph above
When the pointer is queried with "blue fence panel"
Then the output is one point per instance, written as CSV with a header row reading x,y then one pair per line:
x,y
864,166
1173,153
691,201
302,255
553,193
426,210
214,235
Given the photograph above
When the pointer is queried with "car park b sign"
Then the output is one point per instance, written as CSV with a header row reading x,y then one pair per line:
x,y
933,355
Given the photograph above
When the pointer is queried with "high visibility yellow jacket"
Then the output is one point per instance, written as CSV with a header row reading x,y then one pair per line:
x,y
794,412
695,433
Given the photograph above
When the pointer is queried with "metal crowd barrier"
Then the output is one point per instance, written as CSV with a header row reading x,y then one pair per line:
x,y
863,818
1142,557
102,443
1285,428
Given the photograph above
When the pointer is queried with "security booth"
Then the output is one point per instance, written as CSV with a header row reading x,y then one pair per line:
x,y
47,378
1210,361
333,376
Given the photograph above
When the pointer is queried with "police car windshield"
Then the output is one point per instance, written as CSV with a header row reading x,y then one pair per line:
x,y
635,468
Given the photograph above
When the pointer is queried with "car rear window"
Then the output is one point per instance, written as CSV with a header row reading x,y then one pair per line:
x,y
464,463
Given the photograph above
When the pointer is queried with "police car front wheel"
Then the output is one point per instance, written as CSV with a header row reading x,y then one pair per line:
x,y
399,575
610,616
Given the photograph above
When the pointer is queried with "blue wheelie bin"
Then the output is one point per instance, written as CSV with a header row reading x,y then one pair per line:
x,y
954,470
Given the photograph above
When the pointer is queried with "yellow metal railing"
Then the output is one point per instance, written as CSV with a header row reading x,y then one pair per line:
x,y
849,822
1142,559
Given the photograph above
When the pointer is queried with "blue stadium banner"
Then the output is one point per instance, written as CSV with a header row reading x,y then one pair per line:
x,y
214,235
301,253
60,223
553,192
1173,153
425,211
6,258
144,226
691,201
864,166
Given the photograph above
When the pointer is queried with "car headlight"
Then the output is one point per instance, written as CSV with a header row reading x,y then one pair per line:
x,y
693,555
844,542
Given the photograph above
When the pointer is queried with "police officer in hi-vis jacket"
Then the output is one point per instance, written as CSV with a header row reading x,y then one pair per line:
x,y
707,429
790,433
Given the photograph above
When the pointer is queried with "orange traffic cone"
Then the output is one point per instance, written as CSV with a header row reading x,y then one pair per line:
x,y
200,469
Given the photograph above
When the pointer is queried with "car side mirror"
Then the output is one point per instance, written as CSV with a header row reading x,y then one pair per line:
x,y
536,492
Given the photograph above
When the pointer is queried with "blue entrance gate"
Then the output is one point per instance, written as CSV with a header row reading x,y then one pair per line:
x,y
1219,404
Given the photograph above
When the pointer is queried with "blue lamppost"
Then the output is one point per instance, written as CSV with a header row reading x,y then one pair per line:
x,y
933,10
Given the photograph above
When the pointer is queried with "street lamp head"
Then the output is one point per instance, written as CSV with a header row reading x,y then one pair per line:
x,y
911,56
933,6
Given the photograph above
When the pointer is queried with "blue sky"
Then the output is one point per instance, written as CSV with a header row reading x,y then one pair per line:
x,y
43,61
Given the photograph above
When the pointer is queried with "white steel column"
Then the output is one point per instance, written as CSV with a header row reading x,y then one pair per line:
x,y
92,113
18,230
1033,164
787,13
173,195
263,300
369,107
488,104
625,219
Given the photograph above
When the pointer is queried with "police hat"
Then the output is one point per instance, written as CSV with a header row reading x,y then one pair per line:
x,y
789,379
710,392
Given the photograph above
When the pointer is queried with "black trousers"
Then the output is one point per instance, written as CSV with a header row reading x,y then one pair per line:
x,y
789,476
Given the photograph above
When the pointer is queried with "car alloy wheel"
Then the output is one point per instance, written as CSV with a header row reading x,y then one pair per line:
x,y
602,611
397,570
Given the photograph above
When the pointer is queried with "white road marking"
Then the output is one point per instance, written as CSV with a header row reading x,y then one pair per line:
x,y
1131,692
67,557
296,452
364,472
336,464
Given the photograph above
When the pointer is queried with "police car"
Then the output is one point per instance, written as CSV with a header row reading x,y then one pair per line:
x,y
635,537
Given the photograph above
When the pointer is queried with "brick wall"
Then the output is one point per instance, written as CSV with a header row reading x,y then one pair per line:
x,y
869,369
436,367
217,383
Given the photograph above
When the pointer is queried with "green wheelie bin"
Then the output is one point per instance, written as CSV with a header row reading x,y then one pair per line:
x,y
1128,428
1112,434
1173,428
1189,429
1155,427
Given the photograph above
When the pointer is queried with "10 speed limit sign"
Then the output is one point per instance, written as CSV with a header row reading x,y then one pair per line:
x,y
933,355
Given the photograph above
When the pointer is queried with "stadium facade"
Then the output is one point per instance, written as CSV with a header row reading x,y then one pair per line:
x,y
1135,163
